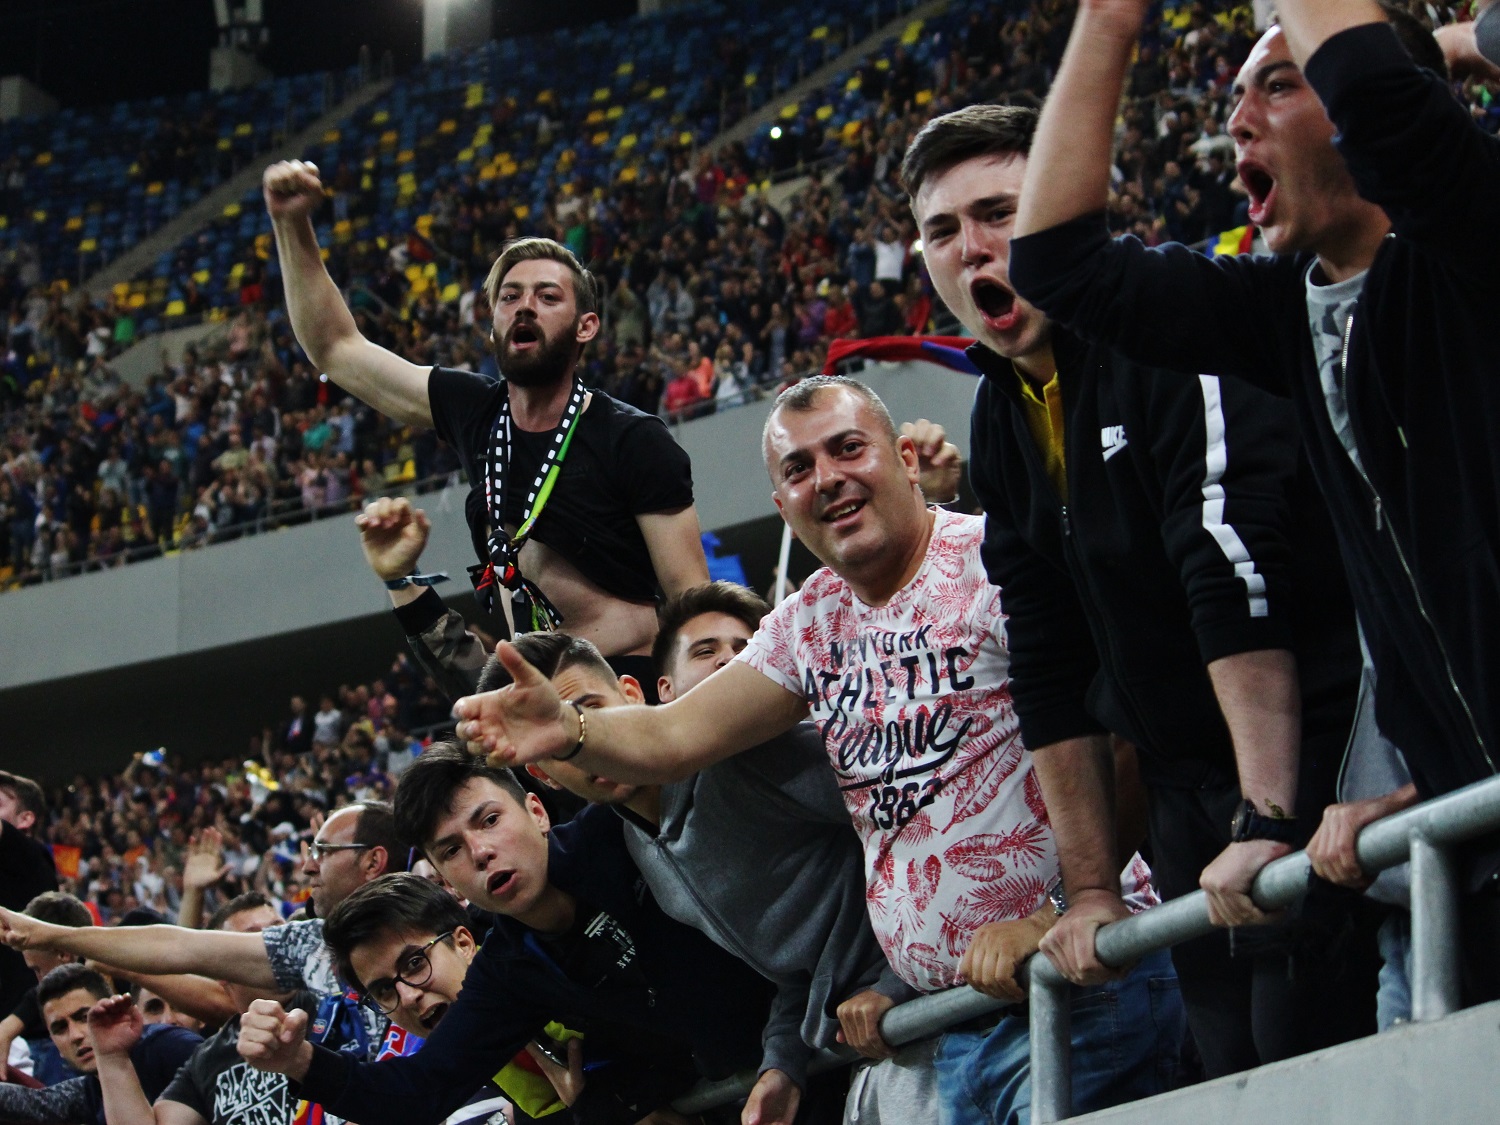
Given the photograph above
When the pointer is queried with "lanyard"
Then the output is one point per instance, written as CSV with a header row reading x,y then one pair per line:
x,y
503,567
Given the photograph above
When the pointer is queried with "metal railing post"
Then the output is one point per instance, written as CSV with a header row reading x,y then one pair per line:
x,y
1051,1044
1434,930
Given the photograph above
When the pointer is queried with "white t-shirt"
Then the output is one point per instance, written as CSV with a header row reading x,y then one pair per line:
x,y
913,701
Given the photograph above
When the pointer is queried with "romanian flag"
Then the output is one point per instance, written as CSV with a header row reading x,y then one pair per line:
x,y
946,351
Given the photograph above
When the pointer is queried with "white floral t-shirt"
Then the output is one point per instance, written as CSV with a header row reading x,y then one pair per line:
x,y
913,701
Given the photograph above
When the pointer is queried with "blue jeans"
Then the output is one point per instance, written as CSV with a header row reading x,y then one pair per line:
x,y
1127,1042
1393,1000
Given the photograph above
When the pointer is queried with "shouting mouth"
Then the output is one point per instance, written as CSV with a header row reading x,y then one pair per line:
x,y
429,1019
1261,187
525,336
997,304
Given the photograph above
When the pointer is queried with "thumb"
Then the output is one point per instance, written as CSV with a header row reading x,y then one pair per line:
x,y
521,671
294,1027
419,518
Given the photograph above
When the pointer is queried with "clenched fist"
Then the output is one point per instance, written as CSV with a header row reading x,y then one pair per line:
x,y
271,1038
393,535
292,189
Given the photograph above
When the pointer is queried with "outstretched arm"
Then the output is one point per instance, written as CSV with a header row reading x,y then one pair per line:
x,y
324,326
1067,174
732,710
238,958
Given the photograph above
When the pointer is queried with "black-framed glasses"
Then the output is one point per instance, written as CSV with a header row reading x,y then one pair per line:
x,y
415,970
319,851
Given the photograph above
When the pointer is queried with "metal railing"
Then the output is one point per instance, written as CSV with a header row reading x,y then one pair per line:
x,y
1425,835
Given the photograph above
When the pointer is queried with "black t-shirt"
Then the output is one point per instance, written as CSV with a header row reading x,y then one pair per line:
x,y
26,871
621,464
223,1089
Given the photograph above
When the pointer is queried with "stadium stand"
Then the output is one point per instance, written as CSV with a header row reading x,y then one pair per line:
x,y
715,296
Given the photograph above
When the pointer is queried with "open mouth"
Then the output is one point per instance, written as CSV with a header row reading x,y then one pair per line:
x,y
500,882
843,511
996,303
524,335
432,1016
1261,186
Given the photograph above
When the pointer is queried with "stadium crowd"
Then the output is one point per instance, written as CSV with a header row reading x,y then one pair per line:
x,y
714,298
677,833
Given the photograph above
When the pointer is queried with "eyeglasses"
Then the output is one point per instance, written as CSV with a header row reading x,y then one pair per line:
x,y
319,851
415,971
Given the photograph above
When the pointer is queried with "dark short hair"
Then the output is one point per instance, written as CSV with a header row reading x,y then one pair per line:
x,y
65,978
376,827
1416,37
425,792
729,598
976,130
28,794
250,900
399,903
802,398
549,654
59,908
142,916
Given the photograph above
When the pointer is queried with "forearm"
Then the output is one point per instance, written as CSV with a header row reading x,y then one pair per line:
x,y
238,958
190,909
125,1102
193,995
1262,706
1067,174
1078,785
732,710
1308,23
320,319
63,1104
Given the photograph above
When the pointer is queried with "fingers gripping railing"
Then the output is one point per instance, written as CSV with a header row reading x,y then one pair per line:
x,y
1425,834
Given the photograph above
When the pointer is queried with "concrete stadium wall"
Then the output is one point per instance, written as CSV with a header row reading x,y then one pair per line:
x,y
314,575
1417,1074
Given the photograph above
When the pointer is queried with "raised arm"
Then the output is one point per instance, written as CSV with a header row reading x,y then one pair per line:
x,y
324,326
238,958
1067,174
732,710
1307,24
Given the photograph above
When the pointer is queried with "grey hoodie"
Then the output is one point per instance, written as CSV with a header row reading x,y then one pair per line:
x,y
758,852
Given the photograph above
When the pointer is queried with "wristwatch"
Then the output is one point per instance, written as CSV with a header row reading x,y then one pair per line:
x,y
1058,898
1249,824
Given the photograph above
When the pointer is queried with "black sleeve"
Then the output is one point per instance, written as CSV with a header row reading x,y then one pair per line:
x,y
1052,655
458,401
656,472
1166,306
1226,455
30,1014
442,644
491,1020
66,1103
1412,147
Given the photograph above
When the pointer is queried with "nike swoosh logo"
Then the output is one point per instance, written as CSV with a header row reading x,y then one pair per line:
x,y
1112,450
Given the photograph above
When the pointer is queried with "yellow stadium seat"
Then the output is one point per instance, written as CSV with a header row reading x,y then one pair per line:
x,y
819,32
448,126
615,113
912,33
88,246
331,137
788,112
625,69
380,117
201,277
231,210
43,159
658,92
75,222
244,129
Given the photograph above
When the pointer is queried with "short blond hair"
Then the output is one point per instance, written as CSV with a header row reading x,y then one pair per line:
x,y
585,290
